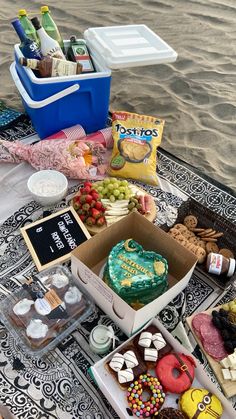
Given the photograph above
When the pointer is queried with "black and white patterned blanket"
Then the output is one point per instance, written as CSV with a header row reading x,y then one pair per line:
x,y
59,385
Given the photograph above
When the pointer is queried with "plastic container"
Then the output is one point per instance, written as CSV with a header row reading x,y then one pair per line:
x,y
53,307
87,103
47,186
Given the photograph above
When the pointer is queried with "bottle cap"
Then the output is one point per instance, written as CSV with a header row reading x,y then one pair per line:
x,y
44,9
36,23
73,38
231,267
22,12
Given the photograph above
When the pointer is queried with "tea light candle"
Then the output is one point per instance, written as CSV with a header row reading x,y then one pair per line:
x,y
100,339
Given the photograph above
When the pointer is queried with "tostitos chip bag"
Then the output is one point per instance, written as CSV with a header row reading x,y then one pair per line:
x,y
136,138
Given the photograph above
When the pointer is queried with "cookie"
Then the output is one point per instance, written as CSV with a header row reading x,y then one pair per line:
x,y
180,227
117,162
226,253
194,240
201,254
211,247
188,234
190,221
174,232
181,240
202,244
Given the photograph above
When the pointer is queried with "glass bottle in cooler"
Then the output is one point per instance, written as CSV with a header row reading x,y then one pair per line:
x,y
48,45
50,26
79,53
52,67
27,26
28,47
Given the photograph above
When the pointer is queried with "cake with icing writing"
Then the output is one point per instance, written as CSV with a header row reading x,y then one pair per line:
x,y
136,275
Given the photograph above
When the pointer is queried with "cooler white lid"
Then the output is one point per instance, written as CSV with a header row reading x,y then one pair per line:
x,y
128,46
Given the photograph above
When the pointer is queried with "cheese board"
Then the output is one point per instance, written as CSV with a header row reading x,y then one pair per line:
x,y
150,215
228,387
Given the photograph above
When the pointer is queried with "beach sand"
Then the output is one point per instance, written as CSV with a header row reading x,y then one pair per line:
x,y
196,95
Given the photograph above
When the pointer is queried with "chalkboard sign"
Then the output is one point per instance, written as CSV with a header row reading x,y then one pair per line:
x,y
51,239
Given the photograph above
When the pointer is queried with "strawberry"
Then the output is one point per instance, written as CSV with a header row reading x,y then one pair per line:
x,y
93,191
101,221
80,211
86,207
76,198
103,209
95,196
85,190
89,184
90,221
88,199
82,199
95,213
98,205
92,203
83,217
76,205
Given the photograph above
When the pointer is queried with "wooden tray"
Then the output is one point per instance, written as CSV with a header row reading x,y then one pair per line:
x,y
228,387
150,217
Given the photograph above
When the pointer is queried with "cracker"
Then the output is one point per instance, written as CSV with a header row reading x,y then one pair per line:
x,y
197,230
208,239
217,235
205,232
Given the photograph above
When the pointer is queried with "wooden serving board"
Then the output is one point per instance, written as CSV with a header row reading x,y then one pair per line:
x,y
228,387
150,217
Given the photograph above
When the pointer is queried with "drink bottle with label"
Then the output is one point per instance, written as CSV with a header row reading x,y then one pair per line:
x,y
48,45
52,67
27,26
79,53
28,47
50,27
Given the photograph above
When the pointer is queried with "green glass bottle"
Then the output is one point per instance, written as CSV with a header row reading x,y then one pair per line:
x,y
27,26
50,26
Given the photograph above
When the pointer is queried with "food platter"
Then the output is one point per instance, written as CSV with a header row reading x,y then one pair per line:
x,y
228,387
150,216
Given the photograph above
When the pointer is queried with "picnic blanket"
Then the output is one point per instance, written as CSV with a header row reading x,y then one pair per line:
x,y
59,385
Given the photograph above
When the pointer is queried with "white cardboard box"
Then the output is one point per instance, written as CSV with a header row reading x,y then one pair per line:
x,y
88,259
117,397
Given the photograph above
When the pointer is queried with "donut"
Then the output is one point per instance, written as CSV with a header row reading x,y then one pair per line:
x,y
171,413
150,407
176,372
200,403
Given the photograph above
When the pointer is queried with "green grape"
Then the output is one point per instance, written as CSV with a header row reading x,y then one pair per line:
x,y
104,191
100,189
115,185
116,192
112,198
110,187
106,181
127,191
113,179
127,196
121,196
124,182
122,189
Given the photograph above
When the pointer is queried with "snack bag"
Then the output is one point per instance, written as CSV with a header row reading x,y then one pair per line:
x,y
136,138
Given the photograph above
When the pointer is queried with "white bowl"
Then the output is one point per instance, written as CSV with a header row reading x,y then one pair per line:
x,y
47,186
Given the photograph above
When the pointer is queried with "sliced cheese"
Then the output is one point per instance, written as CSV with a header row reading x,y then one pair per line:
x,y
226,373
225,363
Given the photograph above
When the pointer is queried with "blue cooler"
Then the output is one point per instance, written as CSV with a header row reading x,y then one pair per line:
x,y
54,103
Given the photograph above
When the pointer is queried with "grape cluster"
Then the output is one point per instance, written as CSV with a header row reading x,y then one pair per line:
x,y
113,189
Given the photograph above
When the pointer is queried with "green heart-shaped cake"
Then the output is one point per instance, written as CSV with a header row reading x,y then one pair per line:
x,y
136,275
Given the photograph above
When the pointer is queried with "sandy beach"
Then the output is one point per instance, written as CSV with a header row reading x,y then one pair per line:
x,y
196,95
